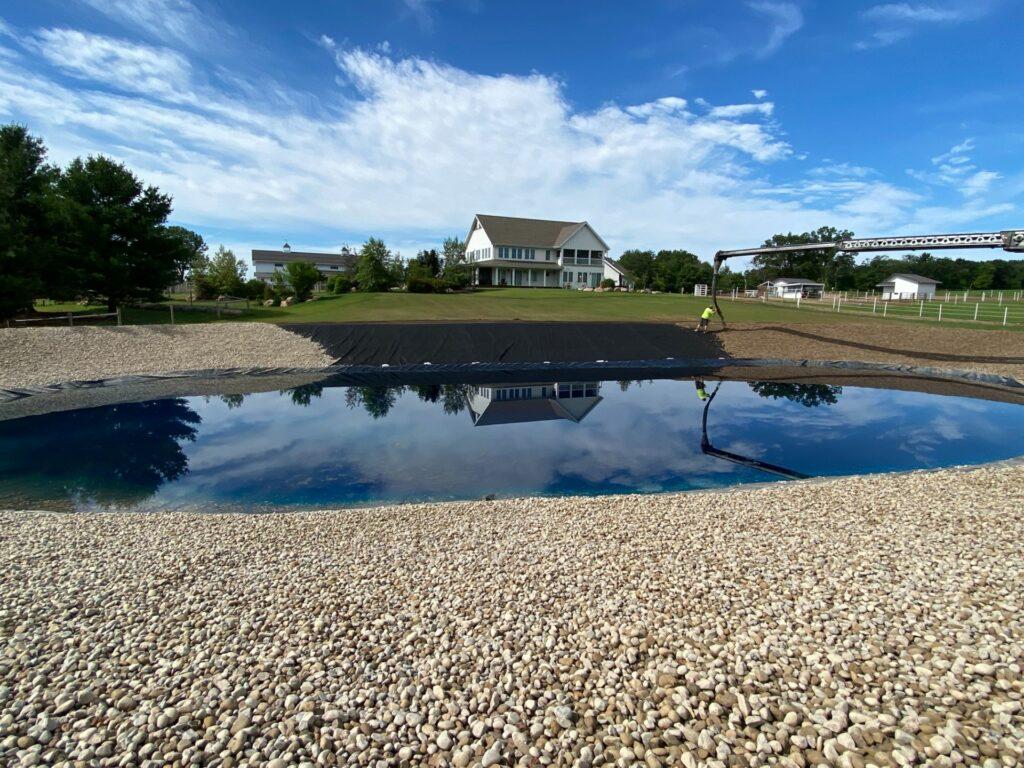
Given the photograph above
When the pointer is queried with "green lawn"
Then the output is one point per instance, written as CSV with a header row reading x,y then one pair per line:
x,y
513,304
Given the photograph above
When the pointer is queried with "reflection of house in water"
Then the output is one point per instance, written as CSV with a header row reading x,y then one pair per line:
x,y
517,403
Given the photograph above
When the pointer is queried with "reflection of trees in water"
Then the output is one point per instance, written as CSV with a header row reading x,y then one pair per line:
x,y
376,401
809,395
304,393
232,401
453,397
625,384
112,455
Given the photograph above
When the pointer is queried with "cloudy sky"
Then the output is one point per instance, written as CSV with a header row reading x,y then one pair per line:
x,y
671,123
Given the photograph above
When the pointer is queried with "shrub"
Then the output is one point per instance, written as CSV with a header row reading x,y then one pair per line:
x,y
456,277
340,284
424,285
607,283
205,287
303,277
253,289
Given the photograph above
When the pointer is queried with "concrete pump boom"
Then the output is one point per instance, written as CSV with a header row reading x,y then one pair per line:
x,y
1009,240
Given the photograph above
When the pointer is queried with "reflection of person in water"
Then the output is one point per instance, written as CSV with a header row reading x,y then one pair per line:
x,y
702,391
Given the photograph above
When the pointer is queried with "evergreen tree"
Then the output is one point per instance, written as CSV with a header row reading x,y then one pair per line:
x,y
27,243
113,234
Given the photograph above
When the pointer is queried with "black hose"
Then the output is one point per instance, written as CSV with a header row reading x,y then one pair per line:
x,y
714,287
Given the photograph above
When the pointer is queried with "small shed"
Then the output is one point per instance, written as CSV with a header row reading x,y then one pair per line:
x,y
792,288
904,285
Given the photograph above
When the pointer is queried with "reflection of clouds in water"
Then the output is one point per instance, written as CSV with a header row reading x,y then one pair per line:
x,y
645,439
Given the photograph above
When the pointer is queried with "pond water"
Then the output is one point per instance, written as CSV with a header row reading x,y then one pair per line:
x,y
325,446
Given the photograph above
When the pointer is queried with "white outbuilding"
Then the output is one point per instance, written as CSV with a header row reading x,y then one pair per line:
x,y
792,288
907,286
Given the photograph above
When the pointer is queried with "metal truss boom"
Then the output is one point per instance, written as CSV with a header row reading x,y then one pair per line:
x,y
1011,241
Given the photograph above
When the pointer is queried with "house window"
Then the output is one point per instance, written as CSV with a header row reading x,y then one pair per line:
x,y
581,277
567,277
279,266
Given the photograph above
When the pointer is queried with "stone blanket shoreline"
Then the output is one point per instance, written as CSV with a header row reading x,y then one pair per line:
x,y
862,621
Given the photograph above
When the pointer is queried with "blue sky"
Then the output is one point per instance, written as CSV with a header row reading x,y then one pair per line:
x,y
685,123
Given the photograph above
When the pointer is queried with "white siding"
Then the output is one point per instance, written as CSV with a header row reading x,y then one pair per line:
x,y
478,240
908,289
584,239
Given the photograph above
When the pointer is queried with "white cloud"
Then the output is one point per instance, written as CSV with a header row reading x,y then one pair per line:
x,y
411,148
922,12
743,110
897,21
759,93
956,169
786,18
172,21
114,62
421,11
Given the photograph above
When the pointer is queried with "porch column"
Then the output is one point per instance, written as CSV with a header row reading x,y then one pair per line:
x,y
513,277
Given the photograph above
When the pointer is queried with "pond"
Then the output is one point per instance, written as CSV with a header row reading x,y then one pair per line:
x,y
323,445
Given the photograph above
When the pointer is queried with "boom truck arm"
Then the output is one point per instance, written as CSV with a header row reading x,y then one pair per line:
x,y
1011,241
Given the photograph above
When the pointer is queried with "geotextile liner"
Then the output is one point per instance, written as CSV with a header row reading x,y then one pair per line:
x,y
506,342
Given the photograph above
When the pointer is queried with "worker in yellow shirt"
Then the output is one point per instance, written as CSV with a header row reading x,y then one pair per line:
x,y
705,316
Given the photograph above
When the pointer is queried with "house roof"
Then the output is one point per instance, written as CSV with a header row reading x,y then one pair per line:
x,y
911,278
340,259
791,281
542,233
618,267
534,409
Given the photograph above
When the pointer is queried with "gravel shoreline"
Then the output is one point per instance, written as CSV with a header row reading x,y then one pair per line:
x,y
854,622
39,356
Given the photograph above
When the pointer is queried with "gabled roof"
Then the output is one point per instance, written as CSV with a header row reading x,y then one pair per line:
x,y
910,277
791,281
618,267
540,233
340,259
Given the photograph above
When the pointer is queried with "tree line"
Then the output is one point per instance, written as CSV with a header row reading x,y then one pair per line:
x,y
672,271
91,229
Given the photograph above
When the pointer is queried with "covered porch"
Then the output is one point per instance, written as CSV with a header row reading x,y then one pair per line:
x,y
543,275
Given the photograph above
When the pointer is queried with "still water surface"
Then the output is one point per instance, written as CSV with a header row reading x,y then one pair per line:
x,y
322,446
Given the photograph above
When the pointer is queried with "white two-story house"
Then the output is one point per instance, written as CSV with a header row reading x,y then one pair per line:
x,y
537,253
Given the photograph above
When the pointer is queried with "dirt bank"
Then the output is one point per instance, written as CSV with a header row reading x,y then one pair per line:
x,y
1000,352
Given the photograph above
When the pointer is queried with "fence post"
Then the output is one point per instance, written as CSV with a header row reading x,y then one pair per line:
x,y
920,312
940,313
874,305
119,316
1006,311
976,310
169,304
885,309
839,304
71,320
798,302
1000,297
